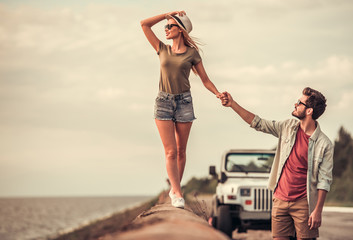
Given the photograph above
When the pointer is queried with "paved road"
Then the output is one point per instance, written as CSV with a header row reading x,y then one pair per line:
x,y
336,225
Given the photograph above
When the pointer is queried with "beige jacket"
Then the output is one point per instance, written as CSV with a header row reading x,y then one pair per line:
x,y
320,155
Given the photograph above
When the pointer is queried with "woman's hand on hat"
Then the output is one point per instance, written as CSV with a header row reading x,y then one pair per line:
x,y
180,13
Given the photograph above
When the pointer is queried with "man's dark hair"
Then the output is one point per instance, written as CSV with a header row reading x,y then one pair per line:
x,y
316,101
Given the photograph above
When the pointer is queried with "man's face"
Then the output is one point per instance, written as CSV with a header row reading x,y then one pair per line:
x,y
300,108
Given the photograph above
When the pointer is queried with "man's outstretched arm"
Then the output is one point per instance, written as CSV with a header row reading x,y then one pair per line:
x,y
228,101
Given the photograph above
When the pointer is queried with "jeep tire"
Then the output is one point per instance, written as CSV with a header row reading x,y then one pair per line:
x,y
224,220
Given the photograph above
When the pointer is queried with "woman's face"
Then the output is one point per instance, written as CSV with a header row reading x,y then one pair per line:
x,y
174,31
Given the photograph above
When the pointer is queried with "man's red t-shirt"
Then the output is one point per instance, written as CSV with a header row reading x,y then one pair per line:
x,y
292,183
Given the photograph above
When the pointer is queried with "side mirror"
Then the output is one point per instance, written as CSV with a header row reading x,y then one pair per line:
x,y
212,171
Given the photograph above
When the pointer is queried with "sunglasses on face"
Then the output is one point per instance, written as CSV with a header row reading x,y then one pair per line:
x,y
300,102
169,26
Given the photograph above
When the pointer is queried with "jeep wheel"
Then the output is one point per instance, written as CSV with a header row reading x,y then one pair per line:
x,y
224,221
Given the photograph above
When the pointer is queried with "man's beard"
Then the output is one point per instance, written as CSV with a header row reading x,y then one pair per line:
x,y
300,116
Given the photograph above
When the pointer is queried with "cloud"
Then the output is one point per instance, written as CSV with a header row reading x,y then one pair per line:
x,y
109,93
346,100
331,72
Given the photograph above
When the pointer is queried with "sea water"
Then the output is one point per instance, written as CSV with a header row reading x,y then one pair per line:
x,y
40,218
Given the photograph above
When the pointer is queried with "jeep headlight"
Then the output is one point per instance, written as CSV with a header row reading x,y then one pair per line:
x,y
245,192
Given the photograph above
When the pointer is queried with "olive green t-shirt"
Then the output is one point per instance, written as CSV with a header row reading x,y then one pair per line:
x,y
175,68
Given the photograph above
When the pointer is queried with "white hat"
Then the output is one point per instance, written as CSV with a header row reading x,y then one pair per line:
x,y
183,22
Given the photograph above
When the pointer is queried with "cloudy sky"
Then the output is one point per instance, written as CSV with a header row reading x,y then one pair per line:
x,y
78,81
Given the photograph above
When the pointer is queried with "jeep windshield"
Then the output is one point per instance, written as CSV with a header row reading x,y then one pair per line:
x,y
249,162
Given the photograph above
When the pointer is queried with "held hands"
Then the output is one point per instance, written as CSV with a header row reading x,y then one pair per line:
x,y
226,99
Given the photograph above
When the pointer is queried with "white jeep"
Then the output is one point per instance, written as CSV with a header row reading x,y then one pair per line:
x,y
242,200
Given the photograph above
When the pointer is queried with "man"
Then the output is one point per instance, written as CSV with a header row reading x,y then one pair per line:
x,y
301,172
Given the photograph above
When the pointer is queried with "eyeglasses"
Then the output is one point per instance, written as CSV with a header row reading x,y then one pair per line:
x,y
300,102
169,26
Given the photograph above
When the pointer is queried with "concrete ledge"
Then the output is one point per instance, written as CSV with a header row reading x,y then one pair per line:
x,y
163,221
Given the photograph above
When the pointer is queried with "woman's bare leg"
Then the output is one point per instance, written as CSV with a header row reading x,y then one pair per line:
x,y
182,131
166,129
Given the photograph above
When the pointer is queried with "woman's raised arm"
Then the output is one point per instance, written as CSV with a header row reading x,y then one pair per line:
x,y
147,24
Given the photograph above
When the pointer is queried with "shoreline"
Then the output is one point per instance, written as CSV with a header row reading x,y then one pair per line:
x,y
105,225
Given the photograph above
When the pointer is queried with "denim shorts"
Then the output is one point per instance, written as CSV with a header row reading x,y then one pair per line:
x,y
175,107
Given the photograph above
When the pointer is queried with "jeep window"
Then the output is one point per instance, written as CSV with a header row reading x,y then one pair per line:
x,y
249,162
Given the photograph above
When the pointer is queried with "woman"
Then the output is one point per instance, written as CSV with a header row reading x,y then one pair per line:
x,y
173,107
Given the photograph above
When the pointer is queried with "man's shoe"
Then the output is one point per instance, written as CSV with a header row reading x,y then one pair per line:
x,y
178,202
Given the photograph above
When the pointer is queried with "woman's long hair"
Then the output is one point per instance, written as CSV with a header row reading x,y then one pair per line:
x,y
193,43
